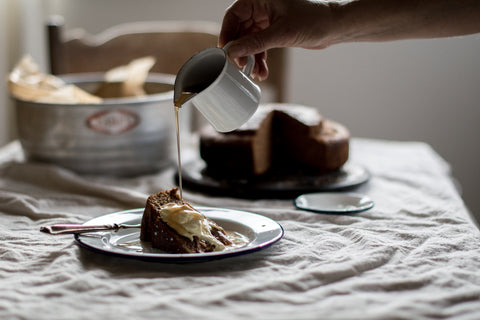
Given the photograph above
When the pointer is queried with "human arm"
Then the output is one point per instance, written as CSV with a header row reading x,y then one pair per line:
x,y
255,26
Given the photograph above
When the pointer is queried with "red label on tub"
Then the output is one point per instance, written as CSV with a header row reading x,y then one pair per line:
x,y
113,121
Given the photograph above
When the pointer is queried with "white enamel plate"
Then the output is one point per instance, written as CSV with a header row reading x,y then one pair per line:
x,y
256,230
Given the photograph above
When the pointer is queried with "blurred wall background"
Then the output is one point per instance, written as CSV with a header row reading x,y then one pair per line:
x,y
422,90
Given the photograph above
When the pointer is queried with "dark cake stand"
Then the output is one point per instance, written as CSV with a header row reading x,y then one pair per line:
x,y
273,185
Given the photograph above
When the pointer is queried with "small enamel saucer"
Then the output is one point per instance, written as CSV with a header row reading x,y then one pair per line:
x,y
333,202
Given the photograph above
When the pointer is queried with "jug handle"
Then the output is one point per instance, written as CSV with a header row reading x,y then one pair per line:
x,y
250,62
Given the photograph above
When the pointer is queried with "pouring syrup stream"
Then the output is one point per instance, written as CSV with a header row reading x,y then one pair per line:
x,y
177,108
177,104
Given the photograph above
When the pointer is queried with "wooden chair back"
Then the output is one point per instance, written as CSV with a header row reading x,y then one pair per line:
x,y
170,42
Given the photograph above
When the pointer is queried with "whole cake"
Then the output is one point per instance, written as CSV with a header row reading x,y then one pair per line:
x,y
281,136
174,226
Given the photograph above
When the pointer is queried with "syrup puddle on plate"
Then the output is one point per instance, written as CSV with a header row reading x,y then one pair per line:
x,y
137,245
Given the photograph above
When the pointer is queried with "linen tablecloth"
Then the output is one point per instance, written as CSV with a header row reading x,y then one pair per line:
x,y
415,255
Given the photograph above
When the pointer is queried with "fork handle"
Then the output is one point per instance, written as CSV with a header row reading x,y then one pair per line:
x,y
80,228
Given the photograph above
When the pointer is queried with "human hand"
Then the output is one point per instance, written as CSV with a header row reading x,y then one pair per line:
x,y
254,26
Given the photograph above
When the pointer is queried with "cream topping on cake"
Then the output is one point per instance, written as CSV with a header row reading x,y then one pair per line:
x,y
188,222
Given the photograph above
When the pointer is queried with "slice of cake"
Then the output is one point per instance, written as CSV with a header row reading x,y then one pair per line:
x,y
281,136
174,226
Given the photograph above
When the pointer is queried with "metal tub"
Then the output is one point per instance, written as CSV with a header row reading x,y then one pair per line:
x,y
120,137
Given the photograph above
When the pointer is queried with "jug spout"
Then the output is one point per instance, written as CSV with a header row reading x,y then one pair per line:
x,y
183,97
